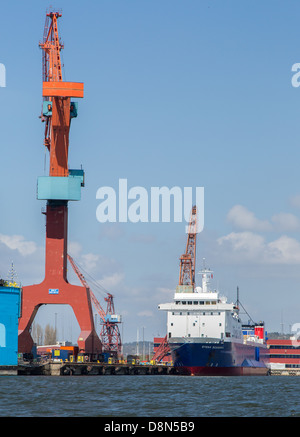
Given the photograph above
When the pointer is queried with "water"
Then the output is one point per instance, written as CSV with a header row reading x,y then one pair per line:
x,y
149,396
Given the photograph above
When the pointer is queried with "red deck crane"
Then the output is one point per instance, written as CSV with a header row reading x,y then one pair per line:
x,y
110,334
162,350
61,186
186,273
188,259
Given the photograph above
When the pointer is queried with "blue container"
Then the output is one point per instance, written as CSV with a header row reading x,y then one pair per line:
x,y
10,304
61,354
106,356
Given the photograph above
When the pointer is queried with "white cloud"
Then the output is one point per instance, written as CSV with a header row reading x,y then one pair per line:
x,y
111,281
247,245
242,218
286,222
74,248
251,247
285,250
92,263
89,261
18,242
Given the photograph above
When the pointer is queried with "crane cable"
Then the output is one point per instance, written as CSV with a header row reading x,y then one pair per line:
x,y
92,280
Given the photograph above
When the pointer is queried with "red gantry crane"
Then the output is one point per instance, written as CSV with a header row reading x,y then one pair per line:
x,y
110,334
186,274
61,186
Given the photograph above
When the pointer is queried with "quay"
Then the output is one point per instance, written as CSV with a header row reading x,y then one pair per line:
x,y
285,372
90,368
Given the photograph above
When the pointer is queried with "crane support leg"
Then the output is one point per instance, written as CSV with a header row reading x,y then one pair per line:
x,y
55,289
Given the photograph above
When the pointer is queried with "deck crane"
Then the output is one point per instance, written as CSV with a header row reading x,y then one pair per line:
x,y
186,273
188,259
110,334
162,350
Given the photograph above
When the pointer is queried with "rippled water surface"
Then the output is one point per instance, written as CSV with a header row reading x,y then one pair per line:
x,y
149,396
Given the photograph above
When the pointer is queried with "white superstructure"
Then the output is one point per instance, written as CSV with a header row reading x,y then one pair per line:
x,y
202,313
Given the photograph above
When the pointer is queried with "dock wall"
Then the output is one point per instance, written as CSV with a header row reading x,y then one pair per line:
x,y
68,368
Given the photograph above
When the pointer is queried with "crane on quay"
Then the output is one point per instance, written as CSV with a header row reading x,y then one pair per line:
x,y
110,334
186,274
61,186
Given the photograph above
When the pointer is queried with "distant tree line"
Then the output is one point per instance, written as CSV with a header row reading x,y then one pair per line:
x,y
42,336
278,335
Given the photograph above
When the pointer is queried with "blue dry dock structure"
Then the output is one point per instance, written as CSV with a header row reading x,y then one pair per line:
x,y
10,304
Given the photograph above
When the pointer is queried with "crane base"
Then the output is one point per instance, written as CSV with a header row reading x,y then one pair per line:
x,y
58,291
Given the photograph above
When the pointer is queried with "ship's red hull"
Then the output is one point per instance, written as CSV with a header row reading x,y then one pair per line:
x,y
223,371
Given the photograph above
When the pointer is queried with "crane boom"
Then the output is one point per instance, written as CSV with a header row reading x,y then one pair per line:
x,y
52,71
57,109
188,259
86,285
110,334
52,46
162,350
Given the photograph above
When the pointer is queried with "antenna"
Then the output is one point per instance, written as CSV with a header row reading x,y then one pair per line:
x,y
237,297
12,276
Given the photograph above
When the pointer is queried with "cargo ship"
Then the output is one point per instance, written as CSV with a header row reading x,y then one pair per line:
x,y
206,336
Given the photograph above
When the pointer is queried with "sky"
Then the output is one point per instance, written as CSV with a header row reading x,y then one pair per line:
x,y
193,93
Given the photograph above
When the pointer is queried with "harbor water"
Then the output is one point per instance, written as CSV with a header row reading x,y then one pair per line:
x,y
149,396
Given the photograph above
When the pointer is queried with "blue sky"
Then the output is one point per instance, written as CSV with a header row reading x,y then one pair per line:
x,y
177,93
